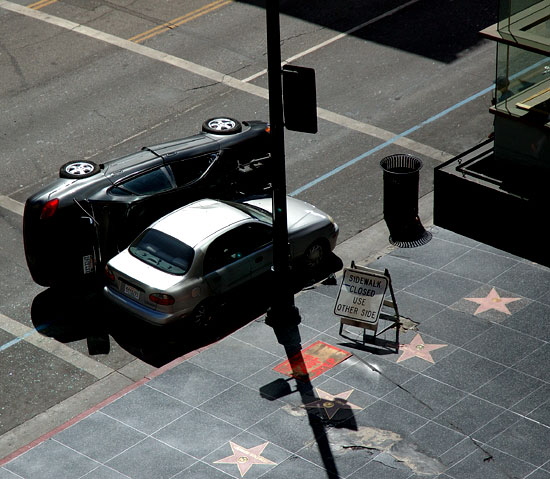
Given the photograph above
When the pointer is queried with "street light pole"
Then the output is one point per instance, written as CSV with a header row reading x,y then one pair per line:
x,y
282,313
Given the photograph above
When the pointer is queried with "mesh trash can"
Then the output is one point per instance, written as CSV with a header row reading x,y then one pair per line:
x,y
401,174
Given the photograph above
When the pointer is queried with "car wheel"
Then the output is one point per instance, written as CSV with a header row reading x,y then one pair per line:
x,y
314,255
222,126
204,313
78,169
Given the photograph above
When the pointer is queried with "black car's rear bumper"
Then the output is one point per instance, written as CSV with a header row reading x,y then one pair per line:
x,y
58,251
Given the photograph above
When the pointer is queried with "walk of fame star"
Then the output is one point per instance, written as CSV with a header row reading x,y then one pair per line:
x,y
245,458
417,348
332,403
492,301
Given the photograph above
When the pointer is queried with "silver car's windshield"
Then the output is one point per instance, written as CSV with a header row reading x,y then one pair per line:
x,y
163,251
254,211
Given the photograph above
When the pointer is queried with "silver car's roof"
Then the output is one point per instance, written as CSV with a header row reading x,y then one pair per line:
x,y
207,217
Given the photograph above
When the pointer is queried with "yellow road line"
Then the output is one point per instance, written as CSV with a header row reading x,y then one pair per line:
x,y
41,4
176,22
169,25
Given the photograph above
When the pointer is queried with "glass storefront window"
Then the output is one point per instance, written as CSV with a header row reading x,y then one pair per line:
x,y
522,80
526,22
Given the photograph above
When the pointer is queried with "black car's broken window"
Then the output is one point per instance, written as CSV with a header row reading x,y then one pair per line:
x,y
191,169
150,183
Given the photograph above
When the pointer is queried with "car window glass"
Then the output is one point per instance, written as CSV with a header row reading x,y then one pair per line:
x,y
163,252
191,169
257,235
150,183
236,244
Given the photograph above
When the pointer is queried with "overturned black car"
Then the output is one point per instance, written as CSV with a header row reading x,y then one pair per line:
x,y
72,227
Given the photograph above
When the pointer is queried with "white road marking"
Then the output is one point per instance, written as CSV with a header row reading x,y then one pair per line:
x,y
336,38
11,205
52,346
228,80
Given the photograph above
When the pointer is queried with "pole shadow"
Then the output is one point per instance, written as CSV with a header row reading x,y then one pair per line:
x,y
319,421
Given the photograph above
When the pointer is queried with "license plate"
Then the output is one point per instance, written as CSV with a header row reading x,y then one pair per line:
x,y
131,291
88,265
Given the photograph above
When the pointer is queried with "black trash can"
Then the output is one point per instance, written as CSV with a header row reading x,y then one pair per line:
x,y
401,179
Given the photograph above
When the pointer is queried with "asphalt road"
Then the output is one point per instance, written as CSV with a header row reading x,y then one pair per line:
x,y
98,79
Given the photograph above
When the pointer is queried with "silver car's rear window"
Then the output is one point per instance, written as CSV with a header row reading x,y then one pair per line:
x,y
163,252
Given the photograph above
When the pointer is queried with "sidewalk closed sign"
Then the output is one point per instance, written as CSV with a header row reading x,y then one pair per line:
x,y
361,296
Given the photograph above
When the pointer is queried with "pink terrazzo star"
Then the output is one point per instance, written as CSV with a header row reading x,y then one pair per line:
x,y
245,458
332,403
418,349
492,301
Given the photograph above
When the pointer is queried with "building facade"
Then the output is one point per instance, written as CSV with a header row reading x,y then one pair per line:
x,y
499,191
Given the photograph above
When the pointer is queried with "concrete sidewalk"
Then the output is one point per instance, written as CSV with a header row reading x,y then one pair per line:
x,y
466,396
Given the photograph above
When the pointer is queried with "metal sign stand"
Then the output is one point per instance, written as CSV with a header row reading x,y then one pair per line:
x,y
391,314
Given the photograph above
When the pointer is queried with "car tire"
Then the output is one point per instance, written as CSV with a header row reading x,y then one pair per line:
x,y
204,314
78,169
222,126
314,255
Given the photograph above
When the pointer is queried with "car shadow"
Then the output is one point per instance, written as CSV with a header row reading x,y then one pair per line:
x,y
70,317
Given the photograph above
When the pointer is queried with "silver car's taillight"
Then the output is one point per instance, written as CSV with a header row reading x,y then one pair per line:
x,y
109,274
162,299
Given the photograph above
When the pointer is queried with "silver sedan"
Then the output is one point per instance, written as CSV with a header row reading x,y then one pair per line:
x,y
183,262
